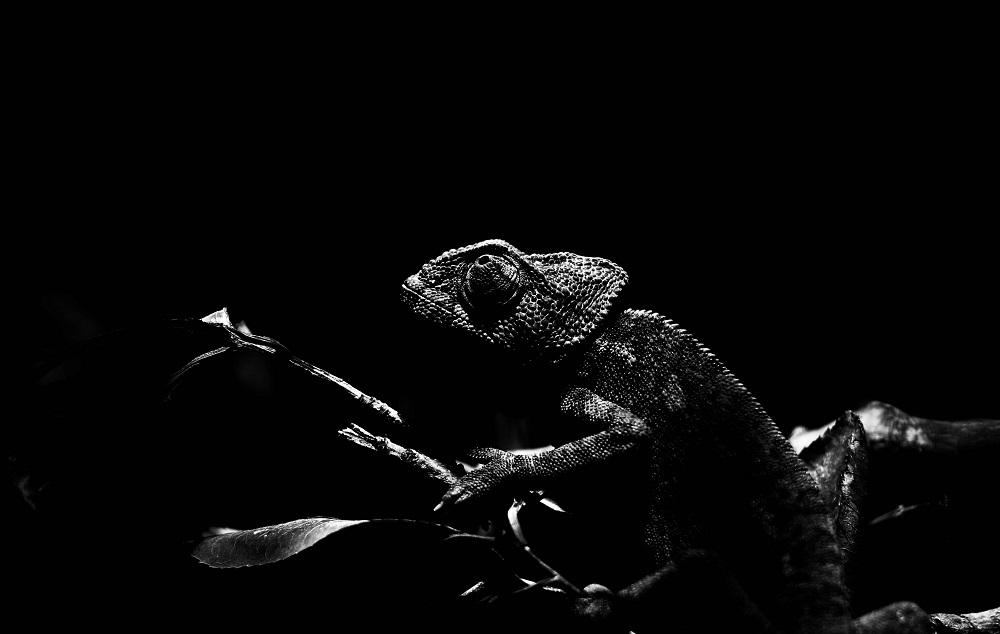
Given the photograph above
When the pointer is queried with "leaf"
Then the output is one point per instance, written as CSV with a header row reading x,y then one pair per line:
x,y
268,544
218,317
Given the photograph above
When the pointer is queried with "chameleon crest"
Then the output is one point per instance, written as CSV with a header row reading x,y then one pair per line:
x,y
540,305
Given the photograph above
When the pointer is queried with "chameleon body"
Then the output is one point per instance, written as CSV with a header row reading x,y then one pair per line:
x,y
707,467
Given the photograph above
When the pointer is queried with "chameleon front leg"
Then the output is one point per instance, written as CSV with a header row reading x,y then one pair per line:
x,y
622,433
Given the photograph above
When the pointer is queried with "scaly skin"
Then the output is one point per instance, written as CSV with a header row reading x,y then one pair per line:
x,y
714,472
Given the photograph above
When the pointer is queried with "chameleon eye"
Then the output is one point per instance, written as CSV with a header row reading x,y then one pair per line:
x,y
491,281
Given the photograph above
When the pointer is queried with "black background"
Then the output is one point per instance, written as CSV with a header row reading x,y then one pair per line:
x,y
822,224
816,208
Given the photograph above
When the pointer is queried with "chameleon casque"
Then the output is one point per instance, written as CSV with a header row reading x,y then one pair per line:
x,y
695,459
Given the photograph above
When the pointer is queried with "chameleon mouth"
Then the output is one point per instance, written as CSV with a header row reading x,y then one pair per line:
x,y
414,295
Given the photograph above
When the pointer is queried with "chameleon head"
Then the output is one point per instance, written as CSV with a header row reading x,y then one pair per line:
x,y
539,305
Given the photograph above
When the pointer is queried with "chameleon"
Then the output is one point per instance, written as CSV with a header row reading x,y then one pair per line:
x,y
694,460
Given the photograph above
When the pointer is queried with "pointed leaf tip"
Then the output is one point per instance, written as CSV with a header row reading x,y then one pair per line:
x,y
218,317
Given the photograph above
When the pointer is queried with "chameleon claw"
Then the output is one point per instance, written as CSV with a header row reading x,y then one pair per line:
x,y
446,504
